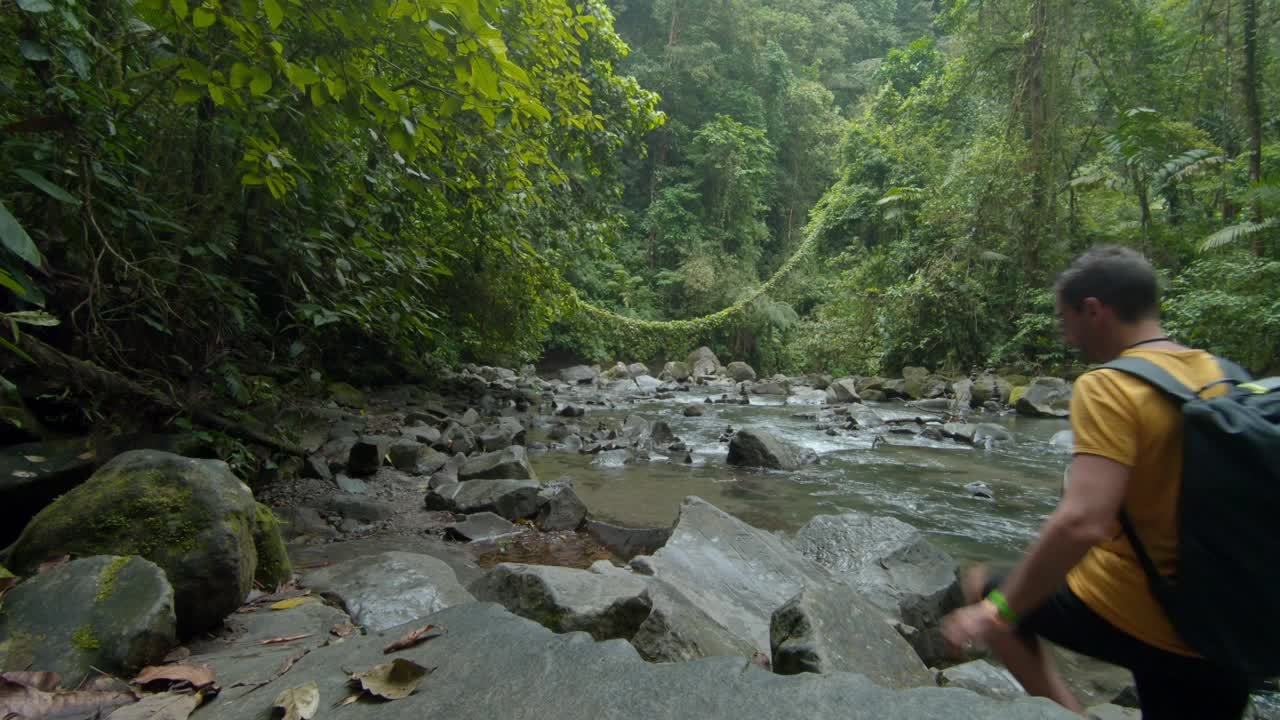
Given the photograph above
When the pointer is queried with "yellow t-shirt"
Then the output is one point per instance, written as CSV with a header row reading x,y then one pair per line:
x,y
1122,418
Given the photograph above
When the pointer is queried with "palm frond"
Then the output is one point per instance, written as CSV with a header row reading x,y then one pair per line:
x,y
1188,164
1234,233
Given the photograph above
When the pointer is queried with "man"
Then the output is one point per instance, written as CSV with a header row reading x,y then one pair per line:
x,y
1080,585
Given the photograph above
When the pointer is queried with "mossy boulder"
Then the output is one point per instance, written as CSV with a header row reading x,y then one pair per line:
x,y
274,566
110,613
191,517
346,395
1016,394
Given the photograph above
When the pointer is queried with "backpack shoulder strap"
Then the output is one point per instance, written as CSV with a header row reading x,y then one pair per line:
x,y
1233,372
1154,375
1157,582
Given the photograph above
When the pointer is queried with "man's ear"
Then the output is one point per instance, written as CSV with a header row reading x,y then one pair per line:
x,y
1092,307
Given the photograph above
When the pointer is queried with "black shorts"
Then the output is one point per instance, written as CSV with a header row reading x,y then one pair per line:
x,y
1169,685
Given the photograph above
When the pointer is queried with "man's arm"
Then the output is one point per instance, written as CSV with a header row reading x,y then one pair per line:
x,y
1085,517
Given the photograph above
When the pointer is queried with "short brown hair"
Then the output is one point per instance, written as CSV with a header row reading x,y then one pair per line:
x,y
1119,277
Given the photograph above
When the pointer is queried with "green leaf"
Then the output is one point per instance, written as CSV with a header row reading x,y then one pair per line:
x,y
180,8
241,74
8,281
16,239
78,61
15,350
35,6
275,13
188,94
49,188
218,94
203,18
33,317
261,83
34,51
301,76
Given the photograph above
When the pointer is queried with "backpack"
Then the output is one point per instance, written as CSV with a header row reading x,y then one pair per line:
x,y
1225,599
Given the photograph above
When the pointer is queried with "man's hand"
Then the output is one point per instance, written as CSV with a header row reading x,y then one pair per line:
x,y
972,625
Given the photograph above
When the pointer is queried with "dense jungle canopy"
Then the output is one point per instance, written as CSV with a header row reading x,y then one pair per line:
x,y
234,195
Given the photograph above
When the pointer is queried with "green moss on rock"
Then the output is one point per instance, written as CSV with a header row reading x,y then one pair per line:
x,y
5,573
1017,394
107,578
84,639
274,566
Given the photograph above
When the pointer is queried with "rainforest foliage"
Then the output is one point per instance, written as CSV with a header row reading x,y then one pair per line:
x,y
214,192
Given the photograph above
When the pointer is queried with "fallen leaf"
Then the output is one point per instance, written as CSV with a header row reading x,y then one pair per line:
x,y
35,458
52,563
169,676
349,699
289,662
394,680
47,681
283,640
343,630
162,706
23,701
292,603
177,655
759,658
87,455
299,703
23,474
422,634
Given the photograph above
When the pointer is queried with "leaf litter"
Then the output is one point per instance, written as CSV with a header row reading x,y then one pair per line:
x,y
20,700
395,680
300,703
414,637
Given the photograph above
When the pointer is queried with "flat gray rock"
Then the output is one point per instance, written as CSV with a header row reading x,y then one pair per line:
x,y
389,589
110,613
362,509
481,526
1046,397
753,448
626,542
512,499
605,604
491,663
676,630
508,463
352,485
828,628
983,678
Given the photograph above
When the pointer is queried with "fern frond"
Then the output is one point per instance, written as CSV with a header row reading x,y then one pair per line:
x,y
1234,233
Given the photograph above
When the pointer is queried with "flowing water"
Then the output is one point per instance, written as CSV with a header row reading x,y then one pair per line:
x,y
912,478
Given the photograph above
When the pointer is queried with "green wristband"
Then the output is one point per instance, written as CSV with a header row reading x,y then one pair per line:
x,y
998,599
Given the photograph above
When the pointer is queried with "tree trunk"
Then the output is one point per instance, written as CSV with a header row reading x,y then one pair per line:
x,y
1036,113
1253,109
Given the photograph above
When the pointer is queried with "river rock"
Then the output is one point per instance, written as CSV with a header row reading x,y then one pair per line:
x,y
740,371
274,567
829,628
1063,441
703,362
980,490
772,387
960,432
647,384
753,448
507,431
844,390
692,411
1045,397
676,630
983,678
32,475
984,389
388,589
625,542
894,389
662,433
346,395
605,605
512,499
580,375
676,370
512,462
106,612
619,370
891,564
481,526
367,454
559,508
635,370
348,484
963,390
301,522
193,518
989,435
425,434
539,674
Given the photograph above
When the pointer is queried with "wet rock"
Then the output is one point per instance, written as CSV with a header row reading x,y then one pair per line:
x,y
559,508
772,387
983,678
580,375
512,462
990,434
662,433
1063,441
983,389
844,390
605,605
626,542
963,390
32,475
636,370
703,362
892,565
636,428
389,589
612,458
363,509
980,490
960,432
828,628
571,411
1045,397
481,526
112,613
692,411
676,370
740,371
751,448
367,454
193,518
512,499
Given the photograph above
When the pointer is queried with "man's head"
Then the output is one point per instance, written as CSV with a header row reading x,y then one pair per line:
x,y
1106,294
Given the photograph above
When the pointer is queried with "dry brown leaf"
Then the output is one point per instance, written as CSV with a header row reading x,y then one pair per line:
x,y
289,662
52,563
162,706
286,639
24,701
344,630
349,699
422,634
46,681
300,703
165,677
35,458
395,680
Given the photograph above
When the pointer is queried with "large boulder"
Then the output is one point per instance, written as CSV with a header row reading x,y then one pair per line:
x,y
1045,397
606,604
892,565
984,389
511,462
559,508
844,390
826,628
388,589
676,370
772,387
32,475
635,370
923,387
193,518
677,630
507,431
580,375
740,371
111,613
512,499
367,454
625,542
753,448
703,362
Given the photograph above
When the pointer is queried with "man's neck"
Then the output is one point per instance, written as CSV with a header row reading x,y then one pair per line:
x,y
1129,335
